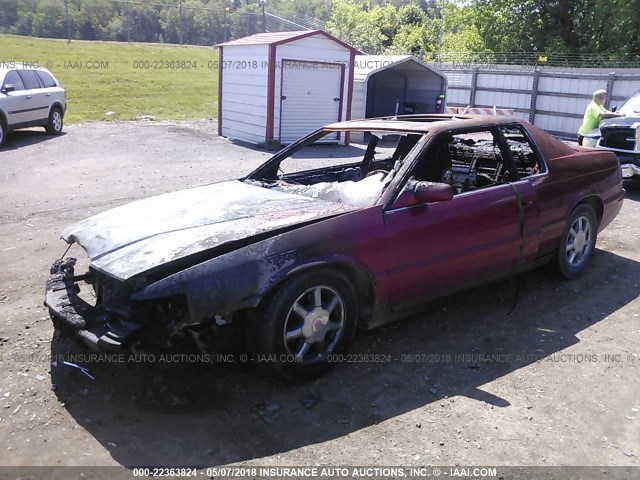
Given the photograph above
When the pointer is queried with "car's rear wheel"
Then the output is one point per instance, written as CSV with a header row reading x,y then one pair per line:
x,y
302,324
578,242
55,124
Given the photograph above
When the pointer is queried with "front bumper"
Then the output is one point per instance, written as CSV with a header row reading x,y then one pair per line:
x,y
93,326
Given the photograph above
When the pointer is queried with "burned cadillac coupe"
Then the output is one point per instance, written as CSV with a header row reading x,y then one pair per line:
x,y
322,240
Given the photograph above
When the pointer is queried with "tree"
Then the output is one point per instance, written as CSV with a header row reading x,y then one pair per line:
x,y
459,32
360,28
94,16
145,26
8,14
244,21
50,20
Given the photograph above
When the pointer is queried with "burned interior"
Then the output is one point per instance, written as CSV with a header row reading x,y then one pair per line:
x,y
467,161
355,175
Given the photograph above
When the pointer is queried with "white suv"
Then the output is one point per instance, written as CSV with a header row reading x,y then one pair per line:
x,y
30,96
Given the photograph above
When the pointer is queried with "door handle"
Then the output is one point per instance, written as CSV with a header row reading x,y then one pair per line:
x,y
526,203
283,97
336,99
48,94
28,97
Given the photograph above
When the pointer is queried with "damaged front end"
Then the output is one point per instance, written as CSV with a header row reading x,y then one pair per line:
x,y
115,323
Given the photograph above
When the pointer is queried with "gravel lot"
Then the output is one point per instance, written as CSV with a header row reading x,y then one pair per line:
x,y
564,392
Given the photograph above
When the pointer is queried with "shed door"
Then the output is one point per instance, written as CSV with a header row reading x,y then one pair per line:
x,y
311,97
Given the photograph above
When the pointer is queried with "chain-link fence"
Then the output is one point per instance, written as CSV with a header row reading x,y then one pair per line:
x,y
181,22
537,59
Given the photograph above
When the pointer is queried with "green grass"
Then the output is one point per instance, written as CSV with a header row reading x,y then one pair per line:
x,y
116,85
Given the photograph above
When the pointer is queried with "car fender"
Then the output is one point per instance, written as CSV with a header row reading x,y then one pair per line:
x,y
239,279
582,197
361,277
58,105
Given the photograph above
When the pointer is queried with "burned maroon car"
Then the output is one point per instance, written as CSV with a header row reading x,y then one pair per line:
x,y
323,240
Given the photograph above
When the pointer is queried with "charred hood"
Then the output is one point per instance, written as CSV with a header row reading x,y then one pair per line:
x,y
149,233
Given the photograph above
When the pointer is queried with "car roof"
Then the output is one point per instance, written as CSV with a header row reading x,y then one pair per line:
x,y
423,123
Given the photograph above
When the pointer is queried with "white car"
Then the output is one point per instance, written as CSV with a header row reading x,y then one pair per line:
x,y
30,96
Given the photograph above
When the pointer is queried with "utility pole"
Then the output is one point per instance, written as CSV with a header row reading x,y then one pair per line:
x,y
66,9
226,9
441,27
128,12
180,24
264,17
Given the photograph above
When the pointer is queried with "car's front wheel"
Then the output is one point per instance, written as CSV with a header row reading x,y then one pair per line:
x,y
3,132
578,242
311,317
55,124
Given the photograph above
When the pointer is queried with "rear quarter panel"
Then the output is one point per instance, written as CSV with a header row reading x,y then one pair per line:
x,y
586,174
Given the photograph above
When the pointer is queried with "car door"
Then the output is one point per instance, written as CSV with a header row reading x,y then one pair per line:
x,y
14,104
37,103
50,89
440,247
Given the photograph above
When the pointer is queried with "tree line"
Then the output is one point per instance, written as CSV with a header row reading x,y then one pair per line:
x,y
430,26
421,27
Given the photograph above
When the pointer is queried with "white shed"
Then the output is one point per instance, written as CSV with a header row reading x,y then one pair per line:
x,y
386,85
276,87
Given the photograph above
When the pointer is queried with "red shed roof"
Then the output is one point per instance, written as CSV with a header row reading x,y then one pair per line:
x,y
272,38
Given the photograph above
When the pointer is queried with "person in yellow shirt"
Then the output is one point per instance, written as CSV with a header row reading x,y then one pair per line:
x,y
595,112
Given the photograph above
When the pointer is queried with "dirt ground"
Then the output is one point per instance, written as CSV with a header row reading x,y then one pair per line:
x,y
562,386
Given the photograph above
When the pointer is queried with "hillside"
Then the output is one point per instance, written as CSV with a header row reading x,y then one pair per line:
x,y
164,81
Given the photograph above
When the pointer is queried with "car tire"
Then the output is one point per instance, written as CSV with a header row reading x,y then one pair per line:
x,y
55,123
577,242
299,327
3,132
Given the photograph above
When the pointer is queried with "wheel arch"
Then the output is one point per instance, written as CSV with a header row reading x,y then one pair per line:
x,y
595,202
57,105
358,275
589,198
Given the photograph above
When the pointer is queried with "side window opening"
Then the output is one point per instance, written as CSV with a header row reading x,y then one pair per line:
x,y
466,161
46,79
522,151
30,79
12,78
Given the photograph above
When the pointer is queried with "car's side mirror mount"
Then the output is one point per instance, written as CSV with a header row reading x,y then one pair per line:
x,y
8,88
614,108
424,192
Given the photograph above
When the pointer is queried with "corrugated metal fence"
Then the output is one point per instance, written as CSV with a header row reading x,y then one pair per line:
x,y
553,99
